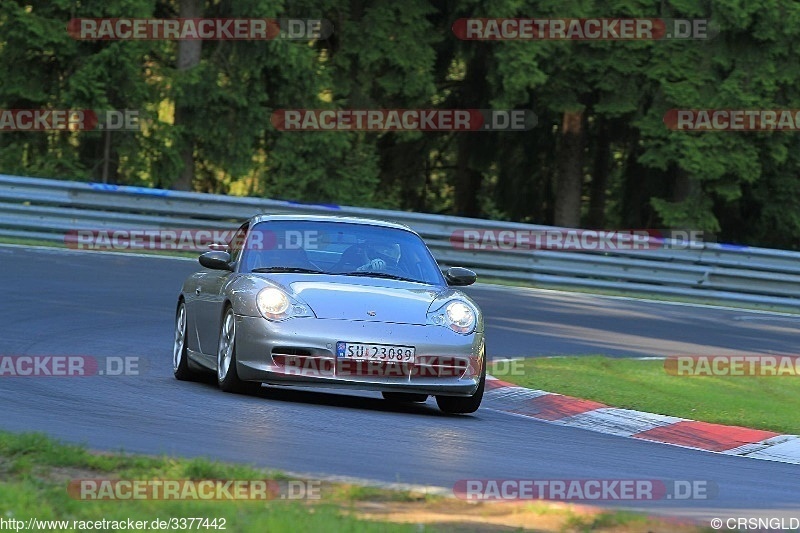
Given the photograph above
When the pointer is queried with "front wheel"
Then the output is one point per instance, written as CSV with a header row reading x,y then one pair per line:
x,y
227,374
459,405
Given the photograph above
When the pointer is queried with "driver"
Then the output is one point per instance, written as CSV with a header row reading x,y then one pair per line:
x,y
381,256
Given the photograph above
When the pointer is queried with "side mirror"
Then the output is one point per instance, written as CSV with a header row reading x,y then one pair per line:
x,y
216,260
216,246
460,277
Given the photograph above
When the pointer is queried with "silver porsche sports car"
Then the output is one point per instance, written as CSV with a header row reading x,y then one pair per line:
x,y
332,302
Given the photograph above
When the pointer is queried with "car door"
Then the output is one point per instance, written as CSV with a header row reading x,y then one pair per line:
x,y
210,296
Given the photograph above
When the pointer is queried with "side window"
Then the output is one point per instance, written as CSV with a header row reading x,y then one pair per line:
x,y
237,242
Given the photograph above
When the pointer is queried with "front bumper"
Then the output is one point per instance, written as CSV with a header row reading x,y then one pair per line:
x,y
302,351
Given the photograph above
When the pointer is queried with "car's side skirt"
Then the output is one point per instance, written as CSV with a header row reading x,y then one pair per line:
x,y
202,360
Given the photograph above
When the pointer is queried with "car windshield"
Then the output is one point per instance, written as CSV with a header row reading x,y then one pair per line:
x,y
339,248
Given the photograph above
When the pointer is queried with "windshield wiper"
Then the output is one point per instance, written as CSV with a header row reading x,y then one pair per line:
x,y
282,269
368,274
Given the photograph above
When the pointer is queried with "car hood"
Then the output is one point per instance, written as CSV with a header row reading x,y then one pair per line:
x,y
373,300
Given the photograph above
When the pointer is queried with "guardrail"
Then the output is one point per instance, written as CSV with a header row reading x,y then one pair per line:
x,y
48,209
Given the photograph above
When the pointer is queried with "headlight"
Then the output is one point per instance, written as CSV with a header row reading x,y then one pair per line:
x,y
460,316
274,304
456,315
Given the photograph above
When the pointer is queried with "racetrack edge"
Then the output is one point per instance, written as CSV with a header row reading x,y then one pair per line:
x,y
594,416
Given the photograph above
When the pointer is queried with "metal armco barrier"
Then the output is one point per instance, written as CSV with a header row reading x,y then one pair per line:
x,y
48,209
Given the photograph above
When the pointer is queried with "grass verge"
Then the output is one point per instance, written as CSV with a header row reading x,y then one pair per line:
x,y
35,471
771,403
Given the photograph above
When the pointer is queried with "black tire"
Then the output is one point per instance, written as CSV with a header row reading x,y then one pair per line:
x,y
462,405
404,397
180,358
229,380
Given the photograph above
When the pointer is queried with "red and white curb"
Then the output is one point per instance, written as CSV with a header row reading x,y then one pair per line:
x,y
594,416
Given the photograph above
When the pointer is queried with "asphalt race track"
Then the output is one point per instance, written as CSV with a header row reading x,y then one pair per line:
x,y
81,303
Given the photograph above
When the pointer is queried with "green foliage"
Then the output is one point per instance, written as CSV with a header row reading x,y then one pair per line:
x,y
386,54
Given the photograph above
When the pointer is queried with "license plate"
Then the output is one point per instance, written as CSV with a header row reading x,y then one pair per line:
x,y
374,352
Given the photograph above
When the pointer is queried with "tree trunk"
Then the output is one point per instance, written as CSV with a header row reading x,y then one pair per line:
x,y
634,197
597,191
106,154
682,187
468,178
570,170
188,58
